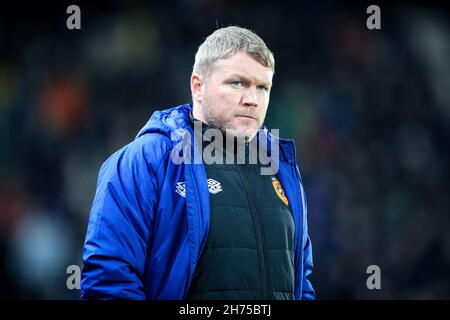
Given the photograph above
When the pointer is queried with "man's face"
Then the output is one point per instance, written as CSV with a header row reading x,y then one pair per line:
x,y
235,96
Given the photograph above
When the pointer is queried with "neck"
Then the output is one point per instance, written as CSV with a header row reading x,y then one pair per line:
x,y
197,112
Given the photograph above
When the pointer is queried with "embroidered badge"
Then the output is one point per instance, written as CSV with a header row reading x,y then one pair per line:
x,y
279,190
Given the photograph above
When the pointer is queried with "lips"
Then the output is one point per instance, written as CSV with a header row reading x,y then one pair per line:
x,y
246,116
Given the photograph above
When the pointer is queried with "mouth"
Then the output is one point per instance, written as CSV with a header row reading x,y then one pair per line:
x,y
246,117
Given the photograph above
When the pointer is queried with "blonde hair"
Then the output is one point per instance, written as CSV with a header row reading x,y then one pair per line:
x,y
226,42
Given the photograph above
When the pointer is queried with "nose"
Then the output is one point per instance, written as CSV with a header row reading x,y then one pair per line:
x,y
250,98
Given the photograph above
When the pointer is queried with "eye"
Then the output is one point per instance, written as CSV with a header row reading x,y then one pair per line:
x,y
263,88
236,83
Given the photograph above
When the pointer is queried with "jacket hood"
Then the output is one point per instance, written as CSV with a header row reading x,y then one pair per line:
x,y
168,120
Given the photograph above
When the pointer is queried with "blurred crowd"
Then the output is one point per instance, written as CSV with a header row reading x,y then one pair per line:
x,y
369,110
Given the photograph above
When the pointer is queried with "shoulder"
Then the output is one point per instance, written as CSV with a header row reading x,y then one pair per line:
x,y
143,154
151,147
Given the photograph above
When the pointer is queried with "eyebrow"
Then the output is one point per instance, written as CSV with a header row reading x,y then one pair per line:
x,y
243,78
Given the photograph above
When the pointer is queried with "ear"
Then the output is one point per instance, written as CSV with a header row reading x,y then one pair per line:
x,y
197,85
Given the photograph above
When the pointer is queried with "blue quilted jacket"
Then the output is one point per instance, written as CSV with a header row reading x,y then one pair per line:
x,y
141,243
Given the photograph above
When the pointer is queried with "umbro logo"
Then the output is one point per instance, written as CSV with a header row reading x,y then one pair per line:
x,y
214,187
181,189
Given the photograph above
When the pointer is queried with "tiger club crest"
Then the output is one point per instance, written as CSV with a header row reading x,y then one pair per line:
x,y
279,190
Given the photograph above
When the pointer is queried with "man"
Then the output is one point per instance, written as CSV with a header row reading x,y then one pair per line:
x,y
166,226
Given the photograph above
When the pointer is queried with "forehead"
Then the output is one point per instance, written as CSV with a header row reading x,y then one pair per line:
x,y
242,64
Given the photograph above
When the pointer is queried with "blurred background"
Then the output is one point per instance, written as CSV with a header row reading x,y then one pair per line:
x,y
369,110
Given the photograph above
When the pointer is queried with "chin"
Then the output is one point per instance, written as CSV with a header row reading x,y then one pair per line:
x,y
242,132
247,134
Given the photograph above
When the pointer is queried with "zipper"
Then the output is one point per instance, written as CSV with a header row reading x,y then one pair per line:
x,y
256,216
299,260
